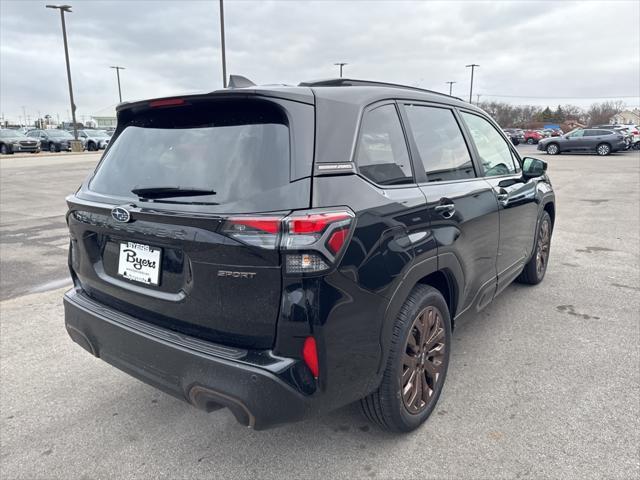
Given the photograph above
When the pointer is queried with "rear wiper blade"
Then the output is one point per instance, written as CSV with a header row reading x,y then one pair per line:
x,y
168,192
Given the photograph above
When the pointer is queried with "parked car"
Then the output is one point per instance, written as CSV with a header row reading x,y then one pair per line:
x,y
53,140
533,136
283,251
516,133
12,141
553,132
94,139
630,132
512,136
600,141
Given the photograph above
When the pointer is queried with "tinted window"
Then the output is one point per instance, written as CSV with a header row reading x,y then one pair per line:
x,y
493,149
382,150
440,143
239,150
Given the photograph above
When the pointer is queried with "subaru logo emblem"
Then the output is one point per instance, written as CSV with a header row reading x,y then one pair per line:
x,y
120,214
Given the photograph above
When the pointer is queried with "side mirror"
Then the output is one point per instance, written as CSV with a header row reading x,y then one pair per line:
x,y
533,167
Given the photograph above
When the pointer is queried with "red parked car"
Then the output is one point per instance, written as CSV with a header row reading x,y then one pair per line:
x,y
533,136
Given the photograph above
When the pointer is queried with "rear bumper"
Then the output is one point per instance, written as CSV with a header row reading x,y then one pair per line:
x,y
205,375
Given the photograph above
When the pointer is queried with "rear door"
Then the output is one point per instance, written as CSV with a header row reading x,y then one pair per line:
x,y
500,167
462,208
203,263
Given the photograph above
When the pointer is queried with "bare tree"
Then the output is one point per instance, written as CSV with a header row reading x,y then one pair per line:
x,y
601,113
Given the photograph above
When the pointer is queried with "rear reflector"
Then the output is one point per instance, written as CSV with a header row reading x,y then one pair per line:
x,y
310,355
167,102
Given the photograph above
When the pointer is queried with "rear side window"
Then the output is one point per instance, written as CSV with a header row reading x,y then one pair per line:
x,y
382,154
440,143
237,149
494,151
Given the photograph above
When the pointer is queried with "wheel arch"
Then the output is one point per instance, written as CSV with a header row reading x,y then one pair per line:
x,y
550,208
443,281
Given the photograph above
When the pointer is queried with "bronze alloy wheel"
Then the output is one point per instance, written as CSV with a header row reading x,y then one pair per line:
x,y
424,360
542,253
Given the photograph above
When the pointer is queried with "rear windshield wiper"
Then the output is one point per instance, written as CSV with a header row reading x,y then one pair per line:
x,y
168,192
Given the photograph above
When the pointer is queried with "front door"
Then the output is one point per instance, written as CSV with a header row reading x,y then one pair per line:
x,y
516,198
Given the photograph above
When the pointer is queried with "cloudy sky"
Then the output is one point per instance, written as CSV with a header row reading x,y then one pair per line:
x,y
550,51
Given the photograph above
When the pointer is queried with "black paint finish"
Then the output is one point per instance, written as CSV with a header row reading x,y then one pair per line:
x,y
468,238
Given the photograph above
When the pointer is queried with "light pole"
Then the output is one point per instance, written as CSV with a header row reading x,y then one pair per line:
x,y
224,55
473,67
450,86
340,64
63,9
118,68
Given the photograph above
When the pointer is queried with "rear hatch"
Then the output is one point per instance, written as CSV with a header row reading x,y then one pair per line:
x,y
169,226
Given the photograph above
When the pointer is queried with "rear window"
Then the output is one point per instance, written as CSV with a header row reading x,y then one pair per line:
x,y
236,148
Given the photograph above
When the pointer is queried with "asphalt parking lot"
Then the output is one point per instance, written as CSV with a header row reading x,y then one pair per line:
x,y
543,383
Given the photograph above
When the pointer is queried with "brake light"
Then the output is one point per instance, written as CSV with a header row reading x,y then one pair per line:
x,y
257,231
265,224
311,240
167,102
315,223
337,240
310,355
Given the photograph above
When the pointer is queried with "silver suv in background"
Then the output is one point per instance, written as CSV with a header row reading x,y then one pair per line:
x,y
599,140
94,139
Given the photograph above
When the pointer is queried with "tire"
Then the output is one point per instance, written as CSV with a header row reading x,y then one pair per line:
x,y
388,406
552,149
91,147
603,149
4,150
530,141
52,148
536,267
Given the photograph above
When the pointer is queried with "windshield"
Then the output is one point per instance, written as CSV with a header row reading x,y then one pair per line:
x,y
59,133
235,161
98,133
10,134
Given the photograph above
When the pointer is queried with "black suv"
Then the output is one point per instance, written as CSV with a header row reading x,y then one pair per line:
x,y
283,251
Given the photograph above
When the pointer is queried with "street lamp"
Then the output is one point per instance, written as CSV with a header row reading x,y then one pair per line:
x,y
340,64
117,68
450,86
63,9
224,55
473,66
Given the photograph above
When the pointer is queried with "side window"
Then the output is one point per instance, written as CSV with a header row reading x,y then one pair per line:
x,y
495,152
382,155
577,134
592,133
442,148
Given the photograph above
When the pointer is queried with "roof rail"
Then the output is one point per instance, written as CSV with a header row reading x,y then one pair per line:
x,y
350,82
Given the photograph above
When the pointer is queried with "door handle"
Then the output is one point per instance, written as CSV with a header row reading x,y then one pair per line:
x,y
446,210
502,195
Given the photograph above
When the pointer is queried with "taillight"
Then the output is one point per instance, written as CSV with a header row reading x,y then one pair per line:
x,y
256,231
311,240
